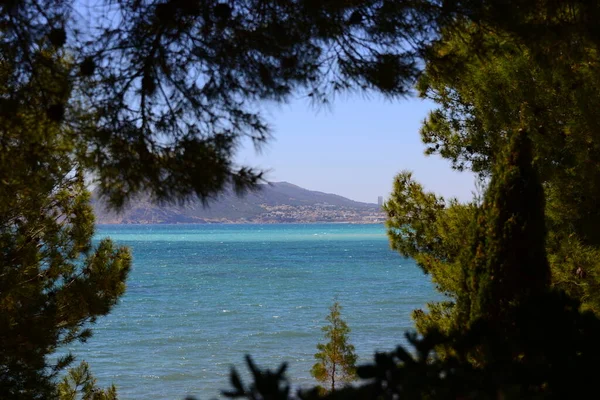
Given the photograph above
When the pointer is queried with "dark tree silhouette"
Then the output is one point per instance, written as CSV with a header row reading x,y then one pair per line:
x,y
172,87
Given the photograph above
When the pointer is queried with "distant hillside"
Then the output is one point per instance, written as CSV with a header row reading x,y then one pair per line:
x,y
271,203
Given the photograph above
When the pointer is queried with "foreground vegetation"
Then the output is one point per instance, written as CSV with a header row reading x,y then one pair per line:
x,y
158,102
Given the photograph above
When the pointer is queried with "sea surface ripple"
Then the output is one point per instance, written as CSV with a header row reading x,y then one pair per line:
x,y
200,297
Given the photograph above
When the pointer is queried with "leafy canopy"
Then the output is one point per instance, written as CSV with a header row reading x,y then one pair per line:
x,y
487,85
172,88
53,282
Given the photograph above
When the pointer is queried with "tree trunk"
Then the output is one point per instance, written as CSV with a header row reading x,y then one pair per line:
x,y
333,378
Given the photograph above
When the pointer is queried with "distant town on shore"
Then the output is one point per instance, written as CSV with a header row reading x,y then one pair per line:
x,y
278,202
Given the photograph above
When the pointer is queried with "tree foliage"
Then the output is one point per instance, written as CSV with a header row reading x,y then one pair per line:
x,y
502,88
509,334
505,264
53,282
173,88
487,85
336,360
267,383
80,384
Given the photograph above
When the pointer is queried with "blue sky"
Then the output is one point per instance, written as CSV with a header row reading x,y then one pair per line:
x,y
354,148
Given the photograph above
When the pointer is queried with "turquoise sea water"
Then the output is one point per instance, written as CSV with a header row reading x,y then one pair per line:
x,y
200,297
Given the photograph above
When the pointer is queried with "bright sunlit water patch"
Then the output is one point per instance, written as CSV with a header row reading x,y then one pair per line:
x,y
200,297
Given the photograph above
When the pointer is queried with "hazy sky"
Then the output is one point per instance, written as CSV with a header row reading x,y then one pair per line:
x,y
354,148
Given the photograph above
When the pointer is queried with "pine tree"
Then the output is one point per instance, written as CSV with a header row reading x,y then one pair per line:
x,y
506,89
336,359
54,283
507,263
81,384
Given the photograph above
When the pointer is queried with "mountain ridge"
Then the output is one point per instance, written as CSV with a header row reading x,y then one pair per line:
x,y
275,202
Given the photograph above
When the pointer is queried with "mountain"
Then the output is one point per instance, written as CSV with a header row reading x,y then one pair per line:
x,y
270,203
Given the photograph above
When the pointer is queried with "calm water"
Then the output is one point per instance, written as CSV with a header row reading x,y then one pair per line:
x,y
201,296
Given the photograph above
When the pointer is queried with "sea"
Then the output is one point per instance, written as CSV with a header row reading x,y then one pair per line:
x,y
201,297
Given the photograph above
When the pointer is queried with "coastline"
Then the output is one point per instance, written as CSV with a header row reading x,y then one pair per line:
x,y
244,223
